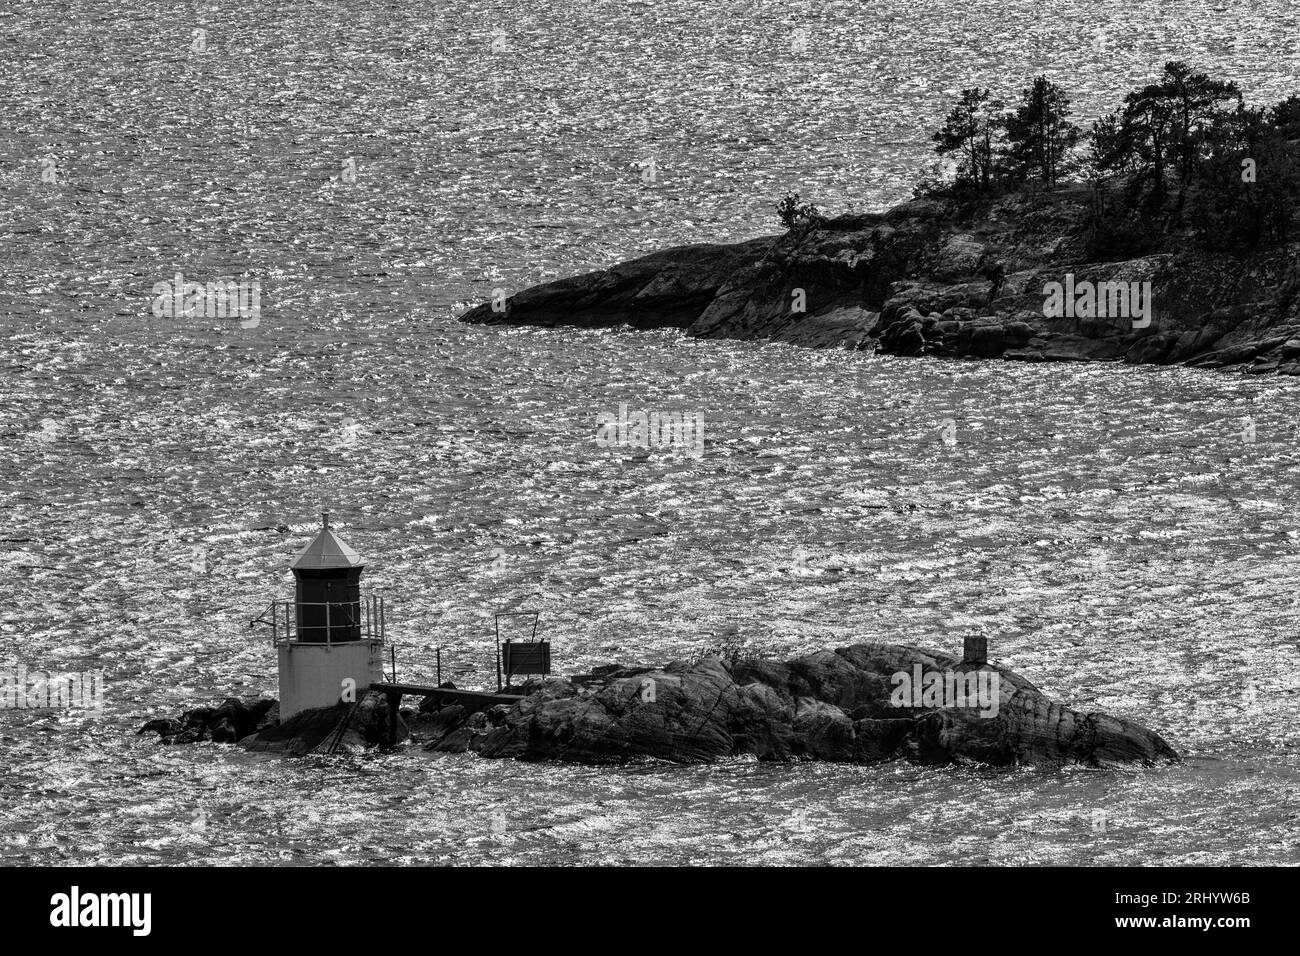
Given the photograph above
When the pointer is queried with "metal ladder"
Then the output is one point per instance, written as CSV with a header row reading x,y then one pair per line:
x,y
331,743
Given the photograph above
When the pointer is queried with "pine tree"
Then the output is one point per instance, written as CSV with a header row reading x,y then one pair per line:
x,y
1163,126
969,132
1039,136
1286,117
1198,101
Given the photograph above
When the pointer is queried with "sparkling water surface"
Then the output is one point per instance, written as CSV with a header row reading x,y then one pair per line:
x,y
1124,535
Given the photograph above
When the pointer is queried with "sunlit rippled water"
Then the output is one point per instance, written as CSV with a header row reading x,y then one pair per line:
x,y
1112,528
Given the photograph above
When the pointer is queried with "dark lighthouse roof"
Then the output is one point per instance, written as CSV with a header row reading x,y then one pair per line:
x,y
327,550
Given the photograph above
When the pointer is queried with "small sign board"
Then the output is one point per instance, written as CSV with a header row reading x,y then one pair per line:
x,y
526,658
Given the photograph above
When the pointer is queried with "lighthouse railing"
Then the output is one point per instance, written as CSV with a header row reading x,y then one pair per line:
x,y
365,617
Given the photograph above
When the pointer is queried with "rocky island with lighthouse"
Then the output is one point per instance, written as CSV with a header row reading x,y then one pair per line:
x,y
861,703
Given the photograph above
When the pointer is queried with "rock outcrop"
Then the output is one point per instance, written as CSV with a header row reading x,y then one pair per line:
x,y
328,729
255,725
228,722
840,705
921,280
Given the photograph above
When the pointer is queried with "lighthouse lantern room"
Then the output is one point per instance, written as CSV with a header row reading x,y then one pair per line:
x,y
330,637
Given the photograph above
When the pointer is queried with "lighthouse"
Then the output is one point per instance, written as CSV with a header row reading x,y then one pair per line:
x,y
330,637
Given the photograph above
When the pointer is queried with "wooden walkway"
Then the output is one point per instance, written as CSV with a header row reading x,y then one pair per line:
x,y
471,700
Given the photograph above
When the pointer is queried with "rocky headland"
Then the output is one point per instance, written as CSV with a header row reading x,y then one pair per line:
x,y
843,705
940,278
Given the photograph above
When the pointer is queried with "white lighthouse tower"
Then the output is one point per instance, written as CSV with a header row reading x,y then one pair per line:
x,y
330,637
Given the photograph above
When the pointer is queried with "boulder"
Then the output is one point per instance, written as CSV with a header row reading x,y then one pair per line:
x,y
164,727
433,725
242,717
991,338
223,731
960,256
270,716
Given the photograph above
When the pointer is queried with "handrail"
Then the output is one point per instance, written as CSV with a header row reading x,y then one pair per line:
x,y
364,598
364,616
261,618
